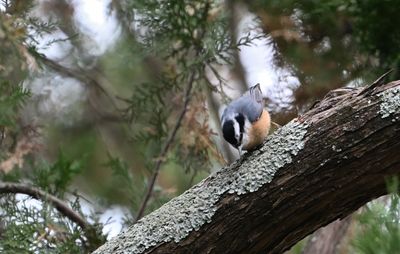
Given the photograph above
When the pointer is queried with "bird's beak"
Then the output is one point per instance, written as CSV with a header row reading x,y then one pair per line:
x,y
240,151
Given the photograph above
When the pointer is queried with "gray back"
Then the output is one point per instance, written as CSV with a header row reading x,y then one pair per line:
x,y
250,104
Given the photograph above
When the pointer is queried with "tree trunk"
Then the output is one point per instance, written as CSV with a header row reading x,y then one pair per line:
x,y
327,239
320,167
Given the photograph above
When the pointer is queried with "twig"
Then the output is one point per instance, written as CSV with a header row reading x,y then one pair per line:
x,y
378,82
64,209
171,137
276,125
62,70
166,147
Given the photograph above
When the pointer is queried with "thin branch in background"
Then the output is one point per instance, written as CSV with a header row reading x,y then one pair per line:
x,y
378,82
233,7
165,149
170,139
221,80
64,209
81,76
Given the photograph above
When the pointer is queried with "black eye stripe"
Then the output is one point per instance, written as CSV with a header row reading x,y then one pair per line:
x,y
240,119
229,133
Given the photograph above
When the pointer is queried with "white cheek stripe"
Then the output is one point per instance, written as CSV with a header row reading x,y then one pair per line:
x,y
247,126
236,127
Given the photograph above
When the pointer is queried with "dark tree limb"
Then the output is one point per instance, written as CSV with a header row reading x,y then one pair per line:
x,y
312,171
36,193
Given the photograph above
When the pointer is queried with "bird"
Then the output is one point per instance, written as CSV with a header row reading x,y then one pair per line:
x,y
245,123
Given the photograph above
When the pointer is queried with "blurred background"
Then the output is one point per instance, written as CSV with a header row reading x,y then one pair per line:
x,y
113,106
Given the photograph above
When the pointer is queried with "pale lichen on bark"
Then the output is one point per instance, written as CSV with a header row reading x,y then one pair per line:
x,y
176,219
390,102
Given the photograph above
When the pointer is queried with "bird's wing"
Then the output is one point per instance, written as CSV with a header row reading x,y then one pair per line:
x,y
250,104
249,107
254,103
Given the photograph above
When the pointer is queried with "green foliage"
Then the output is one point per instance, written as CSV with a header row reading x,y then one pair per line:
x,y
11,99
299,246
57,178
175,43
380,232
36,226
174,28
125,183
377,35
141,81
328,44
379,229
136,91
12,73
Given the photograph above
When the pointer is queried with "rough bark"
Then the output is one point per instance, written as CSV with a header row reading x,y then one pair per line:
x,y
316,169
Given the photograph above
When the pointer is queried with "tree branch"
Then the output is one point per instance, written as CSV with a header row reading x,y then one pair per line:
x,y
64,209
94,240
307,174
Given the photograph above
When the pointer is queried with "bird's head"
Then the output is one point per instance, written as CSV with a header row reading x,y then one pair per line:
x,y
233,129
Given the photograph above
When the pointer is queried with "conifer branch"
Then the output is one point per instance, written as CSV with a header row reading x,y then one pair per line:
x,y
165,149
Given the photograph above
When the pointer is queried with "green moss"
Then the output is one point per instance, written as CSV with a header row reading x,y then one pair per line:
x,y
390,102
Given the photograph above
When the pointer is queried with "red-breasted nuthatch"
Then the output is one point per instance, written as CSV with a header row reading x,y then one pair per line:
x,y
245,122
